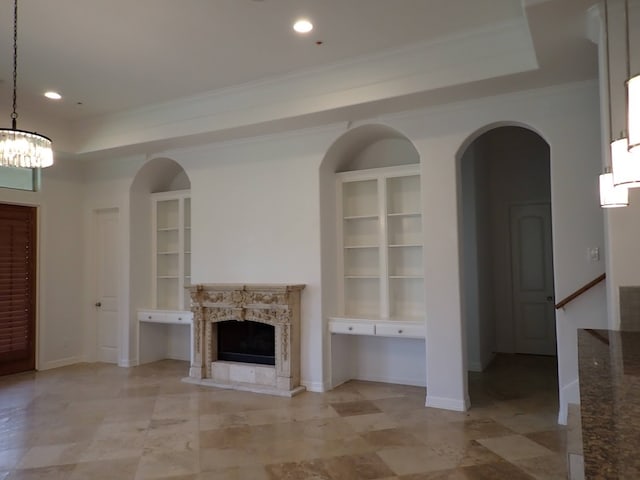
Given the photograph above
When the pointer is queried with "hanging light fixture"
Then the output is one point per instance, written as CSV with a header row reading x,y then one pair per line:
x,y
625,163
633,103
19,148
610,195
633,113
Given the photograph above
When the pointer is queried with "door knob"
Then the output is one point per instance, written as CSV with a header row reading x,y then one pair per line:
x,y
549,299
98,304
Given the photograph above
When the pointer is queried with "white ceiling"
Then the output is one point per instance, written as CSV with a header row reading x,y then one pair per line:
x,y
117,56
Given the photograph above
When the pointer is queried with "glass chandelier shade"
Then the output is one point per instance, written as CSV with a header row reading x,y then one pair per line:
x,y
19,148
610,195
633,112
625,164
24,149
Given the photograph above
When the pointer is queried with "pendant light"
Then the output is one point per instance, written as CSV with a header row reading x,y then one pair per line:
x,y
633,103
610,195
625,163
633,113
19,148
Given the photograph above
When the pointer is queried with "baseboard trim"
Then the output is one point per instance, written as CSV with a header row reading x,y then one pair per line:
x,y
317,387
127,363
394,380
447,403
63,362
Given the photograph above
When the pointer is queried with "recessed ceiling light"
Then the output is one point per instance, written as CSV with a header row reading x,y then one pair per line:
x,y
303,26
53,95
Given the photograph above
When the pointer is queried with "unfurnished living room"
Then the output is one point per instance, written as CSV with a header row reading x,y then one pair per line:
x,y
319,239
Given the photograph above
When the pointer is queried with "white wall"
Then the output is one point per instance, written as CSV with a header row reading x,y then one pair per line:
x,y
469,232
478,298
386,152
60,263
486,296
107,185
256,216
255,219
567,117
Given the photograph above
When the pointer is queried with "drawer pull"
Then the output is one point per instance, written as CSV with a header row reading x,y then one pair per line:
x,y
149,317
179,319
400,331
350,328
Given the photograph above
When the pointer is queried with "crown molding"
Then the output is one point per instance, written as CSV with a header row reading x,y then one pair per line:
x,y
503,49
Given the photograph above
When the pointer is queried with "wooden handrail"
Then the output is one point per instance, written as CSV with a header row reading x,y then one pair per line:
x,y
580,291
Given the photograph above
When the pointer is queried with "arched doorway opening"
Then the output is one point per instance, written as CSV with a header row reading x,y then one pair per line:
x,y
507,273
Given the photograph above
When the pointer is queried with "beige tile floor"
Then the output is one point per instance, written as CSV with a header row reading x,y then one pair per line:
x,y
97,421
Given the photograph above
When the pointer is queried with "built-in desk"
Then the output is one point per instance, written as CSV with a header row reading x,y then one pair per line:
x,y
609,363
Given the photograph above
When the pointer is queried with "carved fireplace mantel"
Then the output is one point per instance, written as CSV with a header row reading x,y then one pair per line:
x,y
272,304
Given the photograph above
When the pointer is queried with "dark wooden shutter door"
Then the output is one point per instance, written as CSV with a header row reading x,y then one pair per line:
x,y
17,288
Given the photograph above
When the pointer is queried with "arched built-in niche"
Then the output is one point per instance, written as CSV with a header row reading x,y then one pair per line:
x,y
366,357
504,185
150,341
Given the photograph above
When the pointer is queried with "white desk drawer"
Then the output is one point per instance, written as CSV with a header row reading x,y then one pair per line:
x,y
352,328
400,330
165,316
151,316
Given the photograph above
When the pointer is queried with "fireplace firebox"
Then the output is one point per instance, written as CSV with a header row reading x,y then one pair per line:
x,y
246,342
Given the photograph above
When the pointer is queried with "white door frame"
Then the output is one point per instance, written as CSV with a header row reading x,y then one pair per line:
x,y
91,338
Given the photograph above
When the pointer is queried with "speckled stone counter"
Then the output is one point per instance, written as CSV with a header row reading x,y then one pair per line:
x,y
609,363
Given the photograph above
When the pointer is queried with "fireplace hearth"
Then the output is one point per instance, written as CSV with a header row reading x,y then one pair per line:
x,y
245,310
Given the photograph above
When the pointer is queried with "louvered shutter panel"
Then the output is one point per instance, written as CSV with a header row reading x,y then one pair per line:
x,y
17,288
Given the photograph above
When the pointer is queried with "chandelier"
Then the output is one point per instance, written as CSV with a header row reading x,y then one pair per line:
x,y
19,148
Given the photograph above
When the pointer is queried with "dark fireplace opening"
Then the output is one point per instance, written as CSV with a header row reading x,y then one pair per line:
x,y
247,342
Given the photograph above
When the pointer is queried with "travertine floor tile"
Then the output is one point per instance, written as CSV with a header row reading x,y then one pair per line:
x,y
409,460
59,472
367,466
120,469
392,437
96,421
515,447
9,458
360,407
554,440
552,467
163,463
371,422
50,455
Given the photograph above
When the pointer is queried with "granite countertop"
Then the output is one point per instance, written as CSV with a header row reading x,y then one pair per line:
x,y
609,363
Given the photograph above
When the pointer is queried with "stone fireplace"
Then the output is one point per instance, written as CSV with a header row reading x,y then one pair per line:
x,y
274,305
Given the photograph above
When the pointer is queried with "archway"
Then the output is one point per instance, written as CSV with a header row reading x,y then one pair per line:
x,y
506,248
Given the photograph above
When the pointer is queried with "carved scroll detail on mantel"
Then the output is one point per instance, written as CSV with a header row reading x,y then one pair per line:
x,y
276,305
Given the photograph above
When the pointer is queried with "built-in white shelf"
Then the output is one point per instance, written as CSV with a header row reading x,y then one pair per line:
x,y
171,247
380,208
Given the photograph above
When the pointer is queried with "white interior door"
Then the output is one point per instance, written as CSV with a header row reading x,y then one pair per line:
x,y
532,279
106,261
